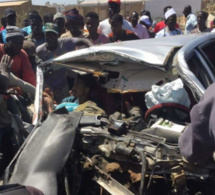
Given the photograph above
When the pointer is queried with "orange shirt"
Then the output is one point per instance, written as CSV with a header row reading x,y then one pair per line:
x,y
21,66
126,36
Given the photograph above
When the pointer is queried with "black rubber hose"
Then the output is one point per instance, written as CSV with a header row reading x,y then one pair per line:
x,y
143,171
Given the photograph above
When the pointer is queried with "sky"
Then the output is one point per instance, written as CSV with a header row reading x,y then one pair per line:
x,y
64,2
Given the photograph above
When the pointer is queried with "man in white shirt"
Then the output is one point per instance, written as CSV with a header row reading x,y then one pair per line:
x,y
191,22
114,8
170,29
139,29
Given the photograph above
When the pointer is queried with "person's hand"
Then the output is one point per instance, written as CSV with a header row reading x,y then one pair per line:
x,y
5,65
49,93
15,90
48,100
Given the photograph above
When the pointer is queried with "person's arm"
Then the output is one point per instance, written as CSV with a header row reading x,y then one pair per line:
x,y
192,23
145,33
28,74
1,38
83,42
157,28
197,141
105,39
48,101
24,86
159,34
5,66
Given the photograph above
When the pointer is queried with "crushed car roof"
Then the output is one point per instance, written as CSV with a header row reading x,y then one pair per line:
x,y
150,51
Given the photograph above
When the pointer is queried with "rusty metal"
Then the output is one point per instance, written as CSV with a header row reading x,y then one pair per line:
x,y
110,184
178,179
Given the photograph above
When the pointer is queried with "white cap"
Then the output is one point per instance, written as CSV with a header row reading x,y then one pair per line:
x,y
146,20
169,13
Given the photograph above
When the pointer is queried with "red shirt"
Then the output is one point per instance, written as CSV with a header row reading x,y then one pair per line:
x,y
160,25
21,66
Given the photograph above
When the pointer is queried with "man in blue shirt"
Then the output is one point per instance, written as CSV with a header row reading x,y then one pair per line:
x,y
37,35
191,22
27,29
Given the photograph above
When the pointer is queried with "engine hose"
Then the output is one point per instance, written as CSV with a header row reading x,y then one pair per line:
x,y
143,171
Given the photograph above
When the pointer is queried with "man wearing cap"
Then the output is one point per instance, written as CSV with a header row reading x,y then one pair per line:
x,y
191,19
170,21
74,25
10,17
201,23
13,47
114,8
160,25
54,47
37,35
60,20
147,13
138,28
145,21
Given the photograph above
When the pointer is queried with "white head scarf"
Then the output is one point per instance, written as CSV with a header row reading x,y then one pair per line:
x,y
169,13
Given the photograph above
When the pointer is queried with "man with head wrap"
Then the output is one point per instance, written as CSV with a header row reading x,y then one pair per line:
x,y
74,25
201,21
170,29
160,25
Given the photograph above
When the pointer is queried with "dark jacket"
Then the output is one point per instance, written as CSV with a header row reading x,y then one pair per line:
x,y
126,36
197,143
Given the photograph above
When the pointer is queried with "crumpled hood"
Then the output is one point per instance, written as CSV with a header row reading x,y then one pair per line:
x,y
46,151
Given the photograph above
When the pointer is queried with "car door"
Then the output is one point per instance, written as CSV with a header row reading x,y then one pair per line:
x,y
196,64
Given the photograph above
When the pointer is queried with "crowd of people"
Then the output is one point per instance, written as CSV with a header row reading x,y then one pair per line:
x,y
45,38
53,35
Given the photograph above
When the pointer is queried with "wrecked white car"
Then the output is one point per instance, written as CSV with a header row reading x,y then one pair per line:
x,y
76,153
